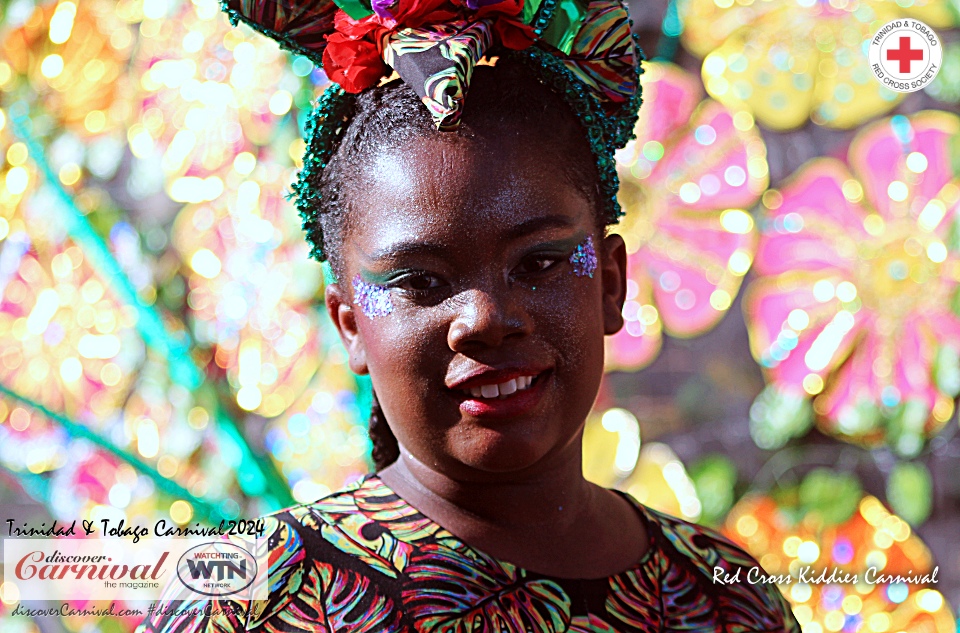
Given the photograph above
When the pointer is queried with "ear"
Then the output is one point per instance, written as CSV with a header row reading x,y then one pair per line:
x,y
613,268
345,319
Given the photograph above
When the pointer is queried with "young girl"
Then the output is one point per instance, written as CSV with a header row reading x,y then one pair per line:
x,y
476,283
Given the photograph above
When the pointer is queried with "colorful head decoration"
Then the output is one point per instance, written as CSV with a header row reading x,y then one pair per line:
x,y
582,49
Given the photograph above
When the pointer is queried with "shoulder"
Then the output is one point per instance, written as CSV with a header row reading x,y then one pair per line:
x,y
724,569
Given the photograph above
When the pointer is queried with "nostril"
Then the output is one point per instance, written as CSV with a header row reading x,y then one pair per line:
x,y
486,319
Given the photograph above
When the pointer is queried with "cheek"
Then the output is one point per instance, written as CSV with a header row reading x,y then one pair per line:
x,y
404,363
396,346
568,313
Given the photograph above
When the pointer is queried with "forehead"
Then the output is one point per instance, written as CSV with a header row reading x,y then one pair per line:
x,y
461,192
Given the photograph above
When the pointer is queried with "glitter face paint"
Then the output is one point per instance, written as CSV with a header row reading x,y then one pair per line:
x,y
372,299
584,258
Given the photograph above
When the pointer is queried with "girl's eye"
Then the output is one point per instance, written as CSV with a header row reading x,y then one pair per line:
x,y
535,264
419,282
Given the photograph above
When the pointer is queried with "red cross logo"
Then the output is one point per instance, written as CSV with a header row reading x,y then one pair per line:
x,y
905,54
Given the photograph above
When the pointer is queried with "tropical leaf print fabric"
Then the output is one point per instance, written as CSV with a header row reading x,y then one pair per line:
x,y
364,561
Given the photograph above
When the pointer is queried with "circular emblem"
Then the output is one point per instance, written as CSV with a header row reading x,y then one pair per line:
x,y
905,55
217,569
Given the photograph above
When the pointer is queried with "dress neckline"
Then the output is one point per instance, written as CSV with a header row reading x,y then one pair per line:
x,y
650,525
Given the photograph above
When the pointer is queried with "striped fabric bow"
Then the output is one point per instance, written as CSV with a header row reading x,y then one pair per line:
x,y
434,45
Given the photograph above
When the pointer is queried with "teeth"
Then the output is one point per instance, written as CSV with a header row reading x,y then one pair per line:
x,y
502,389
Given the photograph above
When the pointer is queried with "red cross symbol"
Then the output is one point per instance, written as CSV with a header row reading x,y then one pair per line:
x,y
905,54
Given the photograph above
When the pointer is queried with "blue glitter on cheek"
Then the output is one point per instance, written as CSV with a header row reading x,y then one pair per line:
x,y
372,299
584,259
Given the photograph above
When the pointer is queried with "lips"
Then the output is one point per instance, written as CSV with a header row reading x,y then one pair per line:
x,y
501,393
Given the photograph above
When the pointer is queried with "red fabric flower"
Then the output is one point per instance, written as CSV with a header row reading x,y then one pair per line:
x,y
514,35
356,29
352,57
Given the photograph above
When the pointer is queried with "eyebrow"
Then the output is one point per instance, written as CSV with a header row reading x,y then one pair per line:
x,y
412,247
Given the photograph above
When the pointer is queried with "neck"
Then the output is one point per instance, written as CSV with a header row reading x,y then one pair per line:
x,y
555,494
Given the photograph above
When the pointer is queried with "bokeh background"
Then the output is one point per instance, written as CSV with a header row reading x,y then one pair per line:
x,y
790,365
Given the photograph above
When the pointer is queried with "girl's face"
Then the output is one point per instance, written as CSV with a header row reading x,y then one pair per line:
x,y
483,339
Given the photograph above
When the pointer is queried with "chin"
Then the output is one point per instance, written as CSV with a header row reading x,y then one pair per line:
x,y
492,451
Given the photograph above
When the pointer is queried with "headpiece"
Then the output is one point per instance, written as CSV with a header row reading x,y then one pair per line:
x,y
582,49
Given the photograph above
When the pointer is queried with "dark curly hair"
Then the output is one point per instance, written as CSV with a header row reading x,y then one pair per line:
x,y
505,97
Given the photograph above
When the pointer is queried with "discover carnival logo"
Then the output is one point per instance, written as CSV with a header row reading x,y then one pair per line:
x,y
905,55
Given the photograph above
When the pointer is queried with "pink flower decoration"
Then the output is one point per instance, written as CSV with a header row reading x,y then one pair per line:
x,y
858,269
685,184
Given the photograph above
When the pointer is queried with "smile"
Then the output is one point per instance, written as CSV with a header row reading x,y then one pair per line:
x,y
501,390
516,396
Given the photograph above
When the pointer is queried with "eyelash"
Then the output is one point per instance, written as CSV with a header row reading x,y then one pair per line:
x,y
553,258
401,283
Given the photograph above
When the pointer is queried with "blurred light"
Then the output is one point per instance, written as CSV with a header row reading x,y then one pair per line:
x,y
194,190
95,121
148,438
808,552
931,215
739,262
812,384
61,24
9,593
48,302
101,346
205,263
798,319
249,398
929,600
181,511
736,221
280,102
625,425
720,300
897,592
71,370
244,162
16,180
747,525
937,252
69,174
198,418
898,191
307,490
17,154
689,192
51,66
827,342
917,162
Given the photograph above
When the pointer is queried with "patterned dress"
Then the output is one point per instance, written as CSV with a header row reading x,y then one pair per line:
x,y
363,560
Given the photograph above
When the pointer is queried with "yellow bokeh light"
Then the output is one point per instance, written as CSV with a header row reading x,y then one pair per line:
x,y
181,511
69,174
17,154
739,262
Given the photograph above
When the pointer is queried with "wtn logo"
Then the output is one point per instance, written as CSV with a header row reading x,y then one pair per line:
x,y
223,568
217,569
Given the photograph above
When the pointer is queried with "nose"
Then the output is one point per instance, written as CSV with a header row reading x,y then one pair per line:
x,y
486,318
